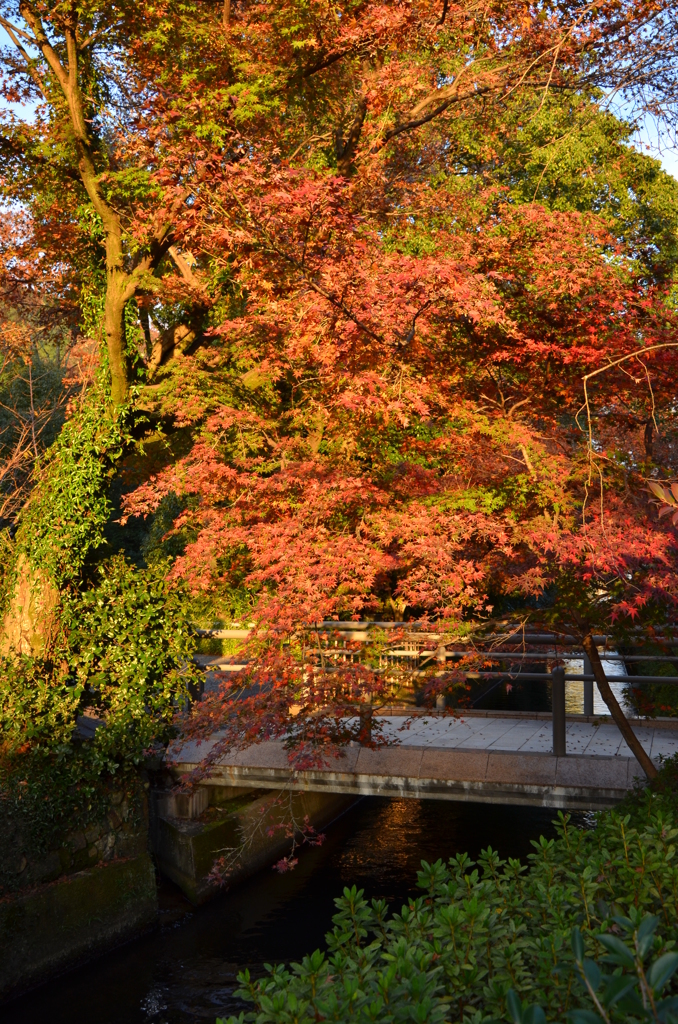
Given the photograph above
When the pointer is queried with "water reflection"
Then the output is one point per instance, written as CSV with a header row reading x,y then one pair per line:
x,y
535,694
574,689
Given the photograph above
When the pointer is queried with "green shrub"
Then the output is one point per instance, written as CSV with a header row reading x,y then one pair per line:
x,y
124,658
484,930
130,649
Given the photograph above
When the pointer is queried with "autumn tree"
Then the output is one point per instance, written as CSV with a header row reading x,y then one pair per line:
x,y
329,251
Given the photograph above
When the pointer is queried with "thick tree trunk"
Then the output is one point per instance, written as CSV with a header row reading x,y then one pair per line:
x,y
31,614
346,148
114,326
618,715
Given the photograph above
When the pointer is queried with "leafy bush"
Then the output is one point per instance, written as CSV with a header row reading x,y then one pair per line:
x,y
130,649
631,992
493,931
124,658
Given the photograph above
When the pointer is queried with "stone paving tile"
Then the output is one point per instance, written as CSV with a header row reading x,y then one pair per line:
x,y
517,737
494,729
541,742
190,752
603,740
663,742
442,728
606,742
389,728
476,724
578,735
645,736
447,733
261,755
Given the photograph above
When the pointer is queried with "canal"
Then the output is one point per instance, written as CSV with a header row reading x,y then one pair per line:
x,y
185,971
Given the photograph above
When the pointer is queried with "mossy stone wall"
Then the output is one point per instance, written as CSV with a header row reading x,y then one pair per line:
x,y
78,916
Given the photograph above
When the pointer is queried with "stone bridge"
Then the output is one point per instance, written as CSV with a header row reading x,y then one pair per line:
x,y
481,756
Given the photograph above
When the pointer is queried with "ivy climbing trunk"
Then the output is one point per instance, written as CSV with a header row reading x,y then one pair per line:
x,y
60,525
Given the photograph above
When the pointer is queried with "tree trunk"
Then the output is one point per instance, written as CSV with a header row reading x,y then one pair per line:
x,y
114,326
346,148
618,715
30,619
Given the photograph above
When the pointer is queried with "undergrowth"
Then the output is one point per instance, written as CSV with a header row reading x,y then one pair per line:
x,y
488,938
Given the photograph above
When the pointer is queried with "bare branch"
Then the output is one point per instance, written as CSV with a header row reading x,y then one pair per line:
x,y
30,61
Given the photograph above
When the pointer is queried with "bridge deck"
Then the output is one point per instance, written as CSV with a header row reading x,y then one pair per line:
x,y
528,735
486,757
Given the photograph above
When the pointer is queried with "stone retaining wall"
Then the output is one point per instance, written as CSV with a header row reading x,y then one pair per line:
x,y
122,833
54,926
94,890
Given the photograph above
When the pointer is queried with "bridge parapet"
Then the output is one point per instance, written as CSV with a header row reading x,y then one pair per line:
x,y
482,758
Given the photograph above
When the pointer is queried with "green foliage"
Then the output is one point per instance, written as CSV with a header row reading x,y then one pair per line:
x,y
641,970
569,154
632,991
92,269
65,519
38,708
124,657
494,931
129,653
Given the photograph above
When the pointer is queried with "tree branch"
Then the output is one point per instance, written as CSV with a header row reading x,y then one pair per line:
x,y
417,122
30,62
346,148
618,715
183,266
16,31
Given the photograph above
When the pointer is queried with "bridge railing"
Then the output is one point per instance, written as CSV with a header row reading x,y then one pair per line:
x,y
405,651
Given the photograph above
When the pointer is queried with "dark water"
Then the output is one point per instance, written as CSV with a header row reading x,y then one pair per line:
x,y
519,695
185,972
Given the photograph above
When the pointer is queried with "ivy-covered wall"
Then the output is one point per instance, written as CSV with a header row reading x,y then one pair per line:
x,y
32,852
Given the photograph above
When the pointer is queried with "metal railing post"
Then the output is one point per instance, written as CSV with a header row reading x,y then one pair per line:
x,y
365,721
441,659
588,686
558,703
